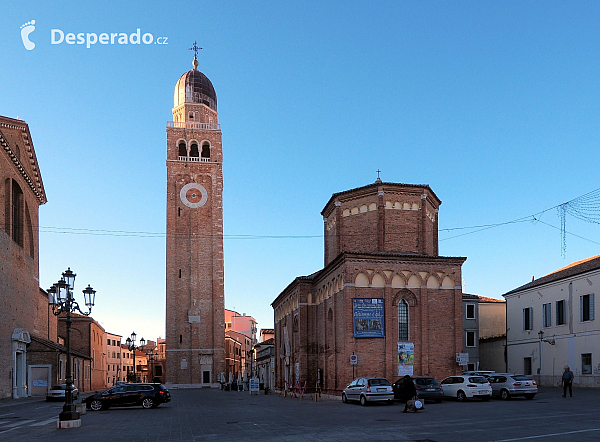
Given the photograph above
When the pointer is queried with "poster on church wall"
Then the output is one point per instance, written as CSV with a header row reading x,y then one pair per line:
x,y
368,317
406,358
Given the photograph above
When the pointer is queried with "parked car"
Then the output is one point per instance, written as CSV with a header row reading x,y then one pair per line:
x,y
484,373
428,388
146,395
58,392
506,385
464,387
365,390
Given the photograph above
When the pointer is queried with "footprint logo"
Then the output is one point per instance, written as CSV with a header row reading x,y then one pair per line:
x,y
27,29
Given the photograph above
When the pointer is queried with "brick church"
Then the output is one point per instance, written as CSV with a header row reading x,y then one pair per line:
x,y
195,330
385,304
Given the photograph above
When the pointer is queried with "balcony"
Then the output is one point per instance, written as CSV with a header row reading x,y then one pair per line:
x,y
195,159
192,125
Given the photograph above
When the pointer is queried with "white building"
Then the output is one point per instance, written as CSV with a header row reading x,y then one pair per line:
x,y
551,323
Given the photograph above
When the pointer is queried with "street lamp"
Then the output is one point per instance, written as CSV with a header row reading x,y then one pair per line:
x,y
152,356
62,300
132,347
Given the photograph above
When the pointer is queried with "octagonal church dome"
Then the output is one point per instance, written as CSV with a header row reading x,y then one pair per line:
x,y
195,87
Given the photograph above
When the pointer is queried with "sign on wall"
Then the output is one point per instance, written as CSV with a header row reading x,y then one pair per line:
x,y
368,317
406,358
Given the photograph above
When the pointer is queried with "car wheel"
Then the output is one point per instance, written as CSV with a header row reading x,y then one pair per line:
x,y
147,403
504,394
96,405
363,401
529,396
344,398
461,396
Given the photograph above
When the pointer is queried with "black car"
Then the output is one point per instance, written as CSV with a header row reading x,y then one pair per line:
x,y
126,395
428,388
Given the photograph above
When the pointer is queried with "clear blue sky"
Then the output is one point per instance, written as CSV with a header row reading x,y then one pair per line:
x,y
495,105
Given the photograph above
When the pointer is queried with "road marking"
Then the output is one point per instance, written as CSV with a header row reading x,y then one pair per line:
x,y
548,435
15,426
46,422
7,414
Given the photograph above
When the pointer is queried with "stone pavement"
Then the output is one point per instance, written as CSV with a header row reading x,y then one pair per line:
x,y
214,415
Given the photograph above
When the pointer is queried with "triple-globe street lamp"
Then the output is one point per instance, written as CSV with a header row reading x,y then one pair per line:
x,y
62,300
132,347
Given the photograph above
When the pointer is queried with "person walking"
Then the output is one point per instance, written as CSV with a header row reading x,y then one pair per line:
x,y
567,381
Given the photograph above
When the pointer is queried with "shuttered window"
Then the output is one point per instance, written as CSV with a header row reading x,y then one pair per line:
x,y
561,316
528,318
547,314
586,307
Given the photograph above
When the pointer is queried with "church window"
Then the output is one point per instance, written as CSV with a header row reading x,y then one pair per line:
x,y
180,339
182,149
180,273
194,150
191,116
205,150
179,211
17,215
403,320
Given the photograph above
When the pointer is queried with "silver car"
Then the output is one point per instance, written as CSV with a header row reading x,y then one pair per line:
x,y
506,385
58,392
365,390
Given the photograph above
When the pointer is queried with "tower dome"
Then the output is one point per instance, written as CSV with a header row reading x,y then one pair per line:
x,y
195,87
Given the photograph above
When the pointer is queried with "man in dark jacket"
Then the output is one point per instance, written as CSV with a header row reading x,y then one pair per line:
x,y
567,381
409,391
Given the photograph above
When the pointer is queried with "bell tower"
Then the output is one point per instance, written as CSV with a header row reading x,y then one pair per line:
x,y
195,323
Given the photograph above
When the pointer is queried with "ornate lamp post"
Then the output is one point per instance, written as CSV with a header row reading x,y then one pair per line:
x,y
132,347
62,300
152,356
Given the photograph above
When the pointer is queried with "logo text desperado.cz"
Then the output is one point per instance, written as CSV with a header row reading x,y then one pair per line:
x,y
90,38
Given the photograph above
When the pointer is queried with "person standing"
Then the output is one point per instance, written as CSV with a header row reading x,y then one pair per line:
x,y
409,391
567,381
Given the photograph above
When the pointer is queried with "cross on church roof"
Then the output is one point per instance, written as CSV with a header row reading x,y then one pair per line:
x,y
195,48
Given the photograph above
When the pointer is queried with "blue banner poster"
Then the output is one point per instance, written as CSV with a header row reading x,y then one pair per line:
x,y
367,314
406,358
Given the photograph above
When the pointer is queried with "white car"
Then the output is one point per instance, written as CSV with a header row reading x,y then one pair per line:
x,y
465,386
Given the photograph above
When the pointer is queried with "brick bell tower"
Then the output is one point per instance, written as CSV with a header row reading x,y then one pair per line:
x,y
195,323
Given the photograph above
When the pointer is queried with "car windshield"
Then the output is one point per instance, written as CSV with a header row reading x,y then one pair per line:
x,y
59,387
425,381
478,380
520,377
379,382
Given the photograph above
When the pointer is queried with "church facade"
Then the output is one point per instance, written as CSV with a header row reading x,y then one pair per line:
x,y
195,333
385,303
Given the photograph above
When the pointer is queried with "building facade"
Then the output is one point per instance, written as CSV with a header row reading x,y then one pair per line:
x,y
492,334
195,331
25,311
114,366
88,338
385,304
551,323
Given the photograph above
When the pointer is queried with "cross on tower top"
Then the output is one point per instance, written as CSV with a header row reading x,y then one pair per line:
x,y
195,48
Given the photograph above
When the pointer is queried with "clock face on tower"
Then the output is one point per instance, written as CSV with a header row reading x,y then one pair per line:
x,y
193,195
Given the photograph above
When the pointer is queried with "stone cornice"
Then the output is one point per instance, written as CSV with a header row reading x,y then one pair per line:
x,y
35,183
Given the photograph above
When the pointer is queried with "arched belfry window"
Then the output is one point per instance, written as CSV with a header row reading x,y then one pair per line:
x,y
205,150
402,320
182,149
194,150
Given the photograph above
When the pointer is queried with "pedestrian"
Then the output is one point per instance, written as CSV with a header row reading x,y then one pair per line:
x,y
567,381
409,391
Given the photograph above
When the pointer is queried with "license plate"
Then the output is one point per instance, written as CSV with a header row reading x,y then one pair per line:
x,y
483,392
381,389
430,389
